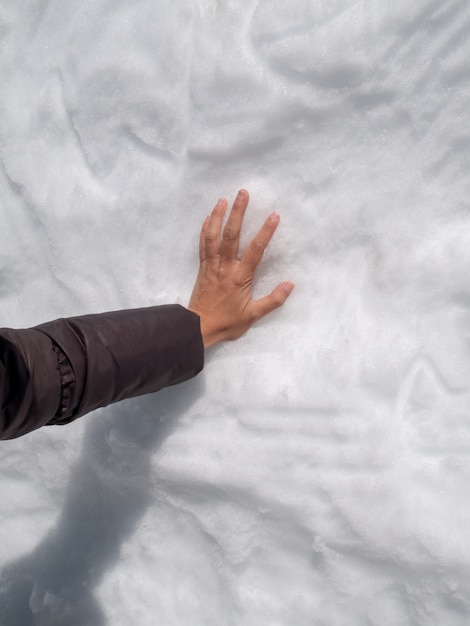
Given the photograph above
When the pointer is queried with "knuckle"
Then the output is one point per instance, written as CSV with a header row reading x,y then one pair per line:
x,y
230,235
257,247
277,301
241,282
252,317
211,238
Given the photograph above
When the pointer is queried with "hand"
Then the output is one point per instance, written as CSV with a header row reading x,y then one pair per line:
x,y
222,293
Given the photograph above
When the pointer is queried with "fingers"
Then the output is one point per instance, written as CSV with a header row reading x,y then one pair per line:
x,y
273,301
212,230
231,234
255,251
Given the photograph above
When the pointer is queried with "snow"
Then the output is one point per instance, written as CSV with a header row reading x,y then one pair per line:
x,y
316,472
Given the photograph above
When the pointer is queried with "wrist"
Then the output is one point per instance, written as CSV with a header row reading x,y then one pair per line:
x,y
210,335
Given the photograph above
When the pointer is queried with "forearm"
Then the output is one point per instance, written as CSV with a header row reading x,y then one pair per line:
x,y
66,368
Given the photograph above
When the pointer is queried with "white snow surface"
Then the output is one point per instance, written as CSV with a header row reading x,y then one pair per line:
x,y
317,472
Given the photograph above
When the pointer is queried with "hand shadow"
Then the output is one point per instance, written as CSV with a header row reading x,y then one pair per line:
x,y
109,491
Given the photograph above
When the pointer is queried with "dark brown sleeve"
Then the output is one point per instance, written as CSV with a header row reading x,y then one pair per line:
x,y
58,371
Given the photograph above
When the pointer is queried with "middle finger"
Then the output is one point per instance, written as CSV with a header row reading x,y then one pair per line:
x,y
212,232
231,234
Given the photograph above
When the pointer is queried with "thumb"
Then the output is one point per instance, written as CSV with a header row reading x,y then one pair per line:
x,y
273,301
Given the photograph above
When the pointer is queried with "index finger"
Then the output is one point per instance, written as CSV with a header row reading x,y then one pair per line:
x,y
254,253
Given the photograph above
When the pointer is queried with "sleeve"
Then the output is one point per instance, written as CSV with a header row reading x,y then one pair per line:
x,y
58,371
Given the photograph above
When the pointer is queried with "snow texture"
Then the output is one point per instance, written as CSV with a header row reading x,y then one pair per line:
x,y
317,472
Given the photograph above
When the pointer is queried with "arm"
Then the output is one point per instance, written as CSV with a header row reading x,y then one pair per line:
x,y
58,371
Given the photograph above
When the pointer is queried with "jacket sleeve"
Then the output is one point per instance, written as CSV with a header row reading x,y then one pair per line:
x,y
58,371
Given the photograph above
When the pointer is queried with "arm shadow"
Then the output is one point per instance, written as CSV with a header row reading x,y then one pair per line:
x,y
109,492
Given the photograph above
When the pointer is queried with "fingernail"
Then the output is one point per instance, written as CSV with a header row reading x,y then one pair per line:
x,y
274,217
288,287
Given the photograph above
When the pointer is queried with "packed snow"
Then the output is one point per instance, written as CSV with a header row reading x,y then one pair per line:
x,y
317,472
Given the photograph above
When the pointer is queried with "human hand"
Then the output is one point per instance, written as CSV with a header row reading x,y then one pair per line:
x,y
222,293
